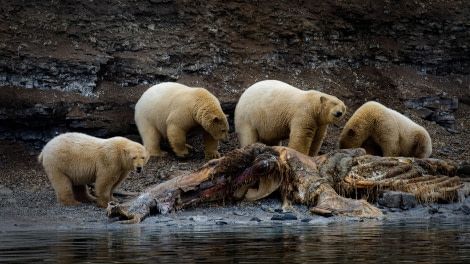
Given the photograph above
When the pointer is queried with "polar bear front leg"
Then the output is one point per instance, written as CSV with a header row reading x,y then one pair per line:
x,y
210,146
246,134
105,180
300,139
177,139
318,138
122,177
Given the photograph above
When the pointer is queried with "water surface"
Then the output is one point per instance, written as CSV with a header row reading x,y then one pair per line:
x,y
370,242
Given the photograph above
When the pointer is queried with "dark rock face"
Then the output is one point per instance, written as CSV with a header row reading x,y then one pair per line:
x,y
435,109
99,56
74,45
36,116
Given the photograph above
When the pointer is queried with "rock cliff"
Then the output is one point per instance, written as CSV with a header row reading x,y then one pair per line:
x,y
82,65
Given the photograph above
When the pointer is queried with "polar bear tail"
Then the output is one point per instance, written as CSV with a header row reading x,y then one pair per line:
x,y
40,158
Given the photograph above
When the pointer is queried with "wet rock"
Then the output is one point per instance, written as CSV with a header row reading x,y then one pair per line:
x,y
277,217
163,219
239,213
433,209
391,199
199,218
267,209
408,201
394,199
284,217
256,219
465,208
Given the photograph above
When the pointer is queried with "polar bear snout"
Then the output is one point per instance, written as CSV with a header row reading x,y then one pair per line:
x,y
338,114
138,169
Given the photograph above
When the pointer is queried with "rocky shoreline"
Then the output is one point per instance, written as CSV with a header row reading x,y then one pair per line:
x,y
261,213
27,202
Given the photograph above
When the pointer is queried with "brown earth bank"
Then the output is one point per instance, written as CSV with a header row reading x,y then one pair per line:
x,y
82,65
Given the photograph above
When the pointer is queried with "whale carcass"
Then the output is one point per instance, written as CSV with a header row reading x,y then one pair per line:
x,y
341,182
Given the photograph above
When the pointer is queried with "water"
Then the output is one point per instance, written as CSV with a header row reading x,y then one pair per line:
x,y
367,242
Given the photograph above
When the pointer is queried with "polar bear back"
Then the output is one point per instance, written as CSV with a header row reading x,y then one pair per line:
x,y
414,140
80,156
171,110
265,99
373,113
161,102
270,111
384,131
73,160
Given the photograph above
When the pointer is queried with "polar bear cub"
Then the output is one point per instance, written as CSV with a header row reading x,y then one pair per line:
x,y
73,160
382,131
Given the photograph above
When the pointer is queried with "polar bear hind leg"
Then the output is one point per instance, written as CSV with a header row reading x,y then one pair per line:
x,y
80,192
151,139
372,147
63,188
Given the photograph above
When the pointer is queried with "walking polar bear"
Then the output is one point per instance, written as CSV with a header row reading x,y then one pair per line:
x,y
382,131
73,160
270,111
172,110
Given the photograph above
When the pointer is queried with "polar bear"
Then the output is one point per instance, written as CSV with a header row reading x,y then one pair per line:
x,y
73,160
172,110
270,111
382,131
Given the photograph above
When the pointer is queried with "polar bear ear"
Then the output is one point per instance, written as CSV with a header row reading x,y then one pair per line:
x,y
323,99
125,152
215,119
351,133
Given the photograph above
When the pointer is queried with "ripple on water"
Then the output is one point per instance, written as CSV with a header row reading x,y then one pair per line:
x,y
399,241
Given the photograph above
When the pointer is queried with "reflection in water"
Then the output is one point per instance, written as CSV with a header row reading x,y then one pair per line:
x,y
333,243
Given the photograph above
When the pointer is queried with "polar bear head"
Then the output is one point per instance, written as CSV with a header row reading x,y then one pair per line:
x,y
217,127
136,156
333,107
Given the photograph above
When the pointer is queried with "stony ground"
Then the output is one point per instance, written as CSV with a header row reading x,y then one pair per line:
x,y
27,200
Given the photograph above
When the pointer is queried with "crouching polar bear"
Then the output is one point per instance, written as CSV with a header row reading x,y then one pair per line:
x,y
270,111
172,110
73,160
382,131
